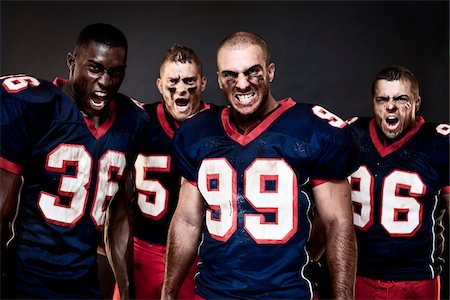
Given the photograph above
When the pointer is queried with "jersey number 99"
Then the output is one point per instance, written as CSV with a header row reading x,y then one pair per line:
x,y
270,186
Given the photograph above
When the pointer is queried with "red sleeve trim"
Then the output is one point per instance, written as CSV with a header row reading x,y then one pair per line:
x,y
10,166
316,182
446,190
192,182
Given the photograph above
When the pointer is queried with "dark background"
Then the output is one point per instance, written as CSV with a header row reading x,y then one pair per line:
x,y
325,52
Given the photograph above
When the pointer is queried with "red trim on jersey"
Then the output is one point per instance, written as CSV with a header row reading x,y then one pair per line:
x,y
446,190
59,82
10,166
162,118
256,129
383,150
316,182
194,183
99,132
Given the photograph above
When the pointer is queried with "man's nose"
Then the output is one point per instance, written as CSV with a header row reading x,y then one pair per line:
x,y
390,104
242,81
105,79
181,88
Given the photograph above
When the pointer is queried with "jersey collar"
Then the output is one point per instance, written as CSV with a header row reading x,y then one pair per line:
x,y
253,131
97,132
386,150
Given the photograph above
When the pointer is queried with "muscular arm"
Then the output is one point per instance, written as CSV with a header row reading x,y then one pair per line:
x,y
446,199
118,239
183,239
335,211
317,243
9,196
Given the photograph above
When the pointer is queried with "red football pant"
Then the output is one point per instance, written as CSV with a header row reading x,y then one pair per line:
x,y
366,288
149,263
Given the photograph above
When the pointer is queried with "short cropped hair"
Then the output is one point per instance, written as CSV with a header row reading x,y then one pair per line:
x,y
242,39
101,33
182,54
396,72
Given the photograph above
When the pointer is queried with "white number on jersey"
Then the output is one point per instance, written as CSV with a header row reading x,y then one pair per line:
x,y
15,84
277,194
151,188
333,120
443,129
77,187
400,215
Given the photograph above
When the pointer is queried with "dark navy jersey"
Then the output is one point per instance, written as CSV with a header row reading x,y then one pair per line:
x,y
157,178
71,171
395,192
257,191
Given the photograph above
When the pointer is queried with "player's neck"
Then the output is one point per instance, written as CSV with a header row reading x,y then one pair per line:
x,y
97,120
68,90
389,141
174,124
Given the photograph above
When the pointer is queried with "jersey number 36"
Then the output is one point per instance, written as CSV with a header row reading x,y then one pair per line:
x,y
76,187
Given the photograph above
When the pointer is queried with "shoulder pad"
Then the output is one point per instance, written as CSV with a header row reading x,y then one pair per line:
x,y
28,89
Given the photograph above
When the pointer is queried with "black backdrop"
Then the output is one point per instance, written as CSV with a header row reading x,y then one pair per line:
x,y
325,52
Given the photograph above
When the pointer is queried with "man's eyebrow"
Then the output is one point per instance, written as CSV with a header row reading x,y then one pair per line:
x,y
396,97
246,71
94,62
226,71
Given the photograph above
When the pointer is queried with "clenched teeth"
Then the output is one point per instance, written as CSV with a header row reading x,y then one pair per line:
x,y
245,97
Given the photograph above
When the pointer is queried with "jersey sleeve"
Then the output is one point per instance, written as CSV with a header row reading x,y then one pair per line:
x,y
339,155
442,155
25,111
183,154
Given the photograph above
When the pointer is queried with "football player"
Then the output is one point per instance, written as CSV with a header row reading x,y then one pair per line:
x,y
66,150
397,193
253,173
180,83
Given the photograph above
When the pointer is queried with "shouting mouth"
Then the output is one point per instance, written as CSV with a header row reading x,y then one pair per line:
x,y
182,104
98,100
392,122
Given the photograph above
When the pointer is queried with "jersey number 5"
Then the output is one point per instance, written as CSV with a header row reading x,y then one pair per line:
x,y
270,187
151,188
400,213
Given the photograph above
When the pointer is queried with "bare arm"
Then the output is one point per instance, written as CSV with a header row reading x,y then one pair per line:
x,y
317,243
119,239
335,210
183,239
446,199
9,197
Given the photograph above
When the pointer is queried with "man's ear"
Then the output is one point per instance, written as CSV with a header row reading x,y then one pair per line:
x,y
418,101
70,61
159,85
271,71
203,83
218,81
